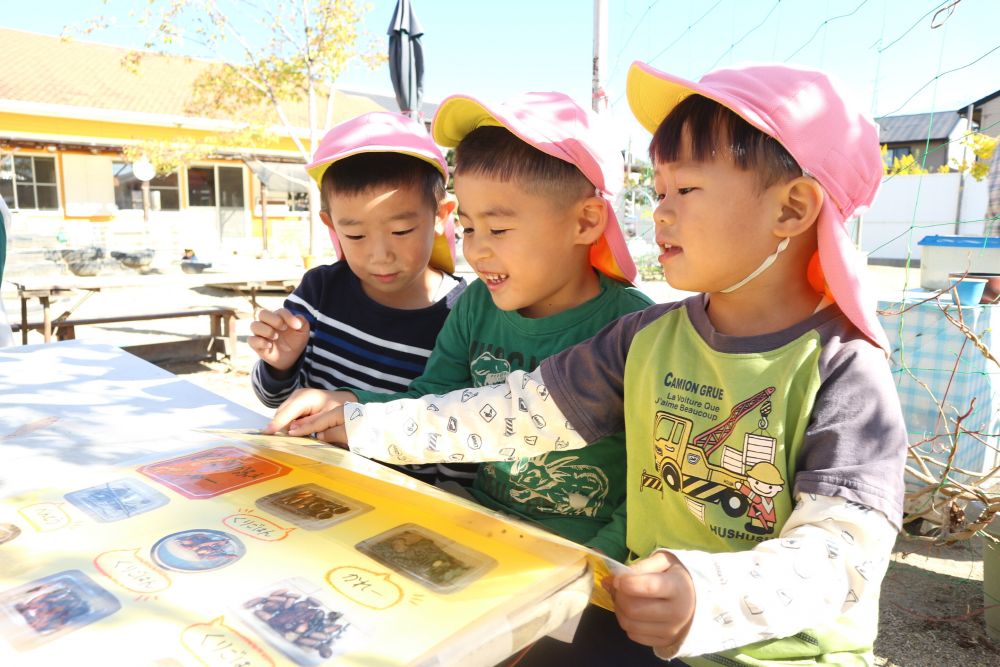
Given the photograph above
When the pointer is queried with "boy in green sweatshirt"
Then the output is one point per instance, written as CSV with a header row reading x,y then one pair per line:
x,y
535,179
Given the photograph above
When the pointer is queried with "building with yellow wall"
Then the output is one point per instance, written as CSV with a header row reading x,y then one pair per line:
x,y
67,110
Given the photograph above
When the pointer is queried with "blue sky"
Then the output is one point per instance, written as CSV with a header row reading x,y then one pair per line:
x,y
885,50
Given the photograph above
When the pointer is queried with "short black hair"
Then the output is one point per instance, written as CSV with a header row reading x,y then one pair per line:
x,y
713,130
496,153
358,173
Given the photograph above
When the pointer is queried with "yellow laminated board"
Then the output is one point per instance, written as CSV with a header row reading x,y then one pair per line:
x,y
253,550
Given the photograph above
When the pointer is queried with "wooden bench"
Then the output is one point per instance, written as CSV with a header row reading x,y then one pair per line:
x,y
221,340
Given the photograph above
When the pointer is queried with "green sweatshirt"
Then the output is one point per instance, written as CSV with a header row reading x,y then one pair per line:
x,y
579,495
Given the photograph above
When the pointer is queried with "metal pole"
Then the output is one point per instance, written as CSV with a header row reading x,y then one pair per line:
x,y
600,98
263,214
145,202
961,174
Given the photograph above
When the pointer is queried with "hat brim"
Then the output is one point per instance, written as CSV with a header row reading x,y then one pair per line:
x,y
318,168
653,94
458,115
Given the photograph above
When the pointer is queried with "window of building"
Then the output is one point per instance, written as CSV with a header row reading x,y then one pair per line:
x,y
164,193
896,153
29,181
287,184
201,186
205,182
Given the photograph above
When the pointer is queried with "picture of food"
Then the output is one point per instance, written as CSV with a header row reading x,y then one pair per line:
x,y
197,550
299,624
426,557
52,607
56,604
311,506
212,472
117,500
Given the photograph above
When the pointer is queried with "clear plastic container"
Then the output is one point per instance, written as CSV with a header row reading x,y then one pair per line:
x,y
117,500
47,608
299,619
428,558
312,506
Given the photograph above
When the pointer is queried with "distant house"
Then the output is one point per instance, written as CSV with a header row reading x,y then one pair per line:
x,y
67,109
985,114
931,138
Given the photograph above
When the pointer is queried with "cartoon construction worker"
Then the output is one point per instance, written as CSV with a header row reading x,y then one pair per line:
x,y
763,483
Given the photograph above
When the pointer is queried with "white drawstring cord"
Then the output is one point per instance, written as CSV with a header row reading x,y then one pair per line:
x,y
768,261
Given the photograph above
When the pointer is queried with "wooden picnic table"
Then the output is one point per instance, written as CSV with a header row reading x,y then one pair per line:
x,y
245,282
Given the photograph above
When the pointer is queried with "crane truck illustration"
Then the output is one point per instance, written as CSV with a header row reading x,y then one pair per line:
x,y
683,462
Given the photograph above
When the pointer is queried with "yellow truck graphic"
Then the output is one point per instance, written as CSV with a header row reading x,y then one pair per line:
x,y
683,462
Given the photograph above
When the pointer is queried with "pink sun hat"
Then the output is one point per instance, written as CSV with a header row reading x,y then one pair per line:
x,y
831,139
555,125
386,132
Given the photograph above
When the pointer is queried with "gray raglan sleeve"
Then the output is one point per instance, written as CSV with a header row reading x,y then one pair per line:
x,y
587,381
856,443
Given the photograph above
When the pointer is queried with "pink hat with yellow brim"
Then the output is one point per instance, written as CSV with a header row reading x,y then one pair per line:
x,y
833,142
554,124
386,132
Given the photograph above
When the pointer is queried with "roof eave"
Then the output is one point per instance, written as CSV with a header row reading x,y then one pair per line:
x,y
130,117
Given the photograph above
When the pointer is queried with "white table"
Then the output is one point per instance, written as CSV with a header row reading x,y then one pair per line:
x,y
71,410
112,406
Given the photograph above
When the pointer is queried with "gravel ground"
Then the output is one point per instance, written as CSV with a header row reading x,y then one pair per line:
x,y
932,599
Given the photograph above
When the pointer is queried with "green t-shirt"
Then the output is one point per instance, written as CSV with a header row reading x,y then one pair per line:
x,y
574,494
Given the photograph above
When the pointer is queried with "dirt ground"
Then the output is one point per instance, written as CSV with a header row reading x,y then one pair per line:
x,y
932,607
932,598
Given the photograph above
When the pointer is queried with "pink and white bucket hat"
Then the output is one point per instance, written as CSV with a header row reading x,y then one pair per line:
x,y
386,132
554,124
834,142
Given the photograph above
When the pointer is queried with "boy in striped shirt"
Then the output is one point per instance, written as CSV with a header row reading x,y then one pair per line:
x,y
370,320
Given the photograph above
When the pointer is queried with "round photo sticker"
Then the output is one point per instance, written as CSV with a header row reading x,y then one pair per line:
x,y
197,550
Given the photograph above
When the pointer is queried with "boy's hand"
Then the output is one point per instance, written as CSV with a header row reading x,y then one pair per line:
x,y
328,426
279,337
655,601
302,413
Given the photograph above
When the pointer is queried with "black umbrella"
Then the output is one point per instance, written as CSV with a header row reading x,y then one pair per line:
x,y
406,59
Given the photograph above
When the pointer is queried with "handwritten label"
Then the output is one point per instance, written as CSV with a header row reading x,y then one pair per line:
x,y
257,527
46,516
370,589
131,571
217,645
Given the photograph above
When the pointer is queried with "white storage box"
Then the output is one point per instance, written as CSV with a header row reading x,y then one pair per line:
x,y
941,255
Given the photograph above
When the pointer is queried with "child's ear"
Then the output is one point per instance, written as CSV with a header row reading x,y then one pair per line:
x,y
325,217
801,201
591,220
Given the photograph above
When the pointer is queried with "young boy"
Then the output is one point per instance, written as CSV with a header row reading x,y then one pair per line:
x,y
370,320
534,178
765,440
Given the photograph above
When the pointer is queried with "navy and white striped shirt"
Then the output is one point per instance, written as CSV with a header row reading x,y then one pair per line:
x,y
354,341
